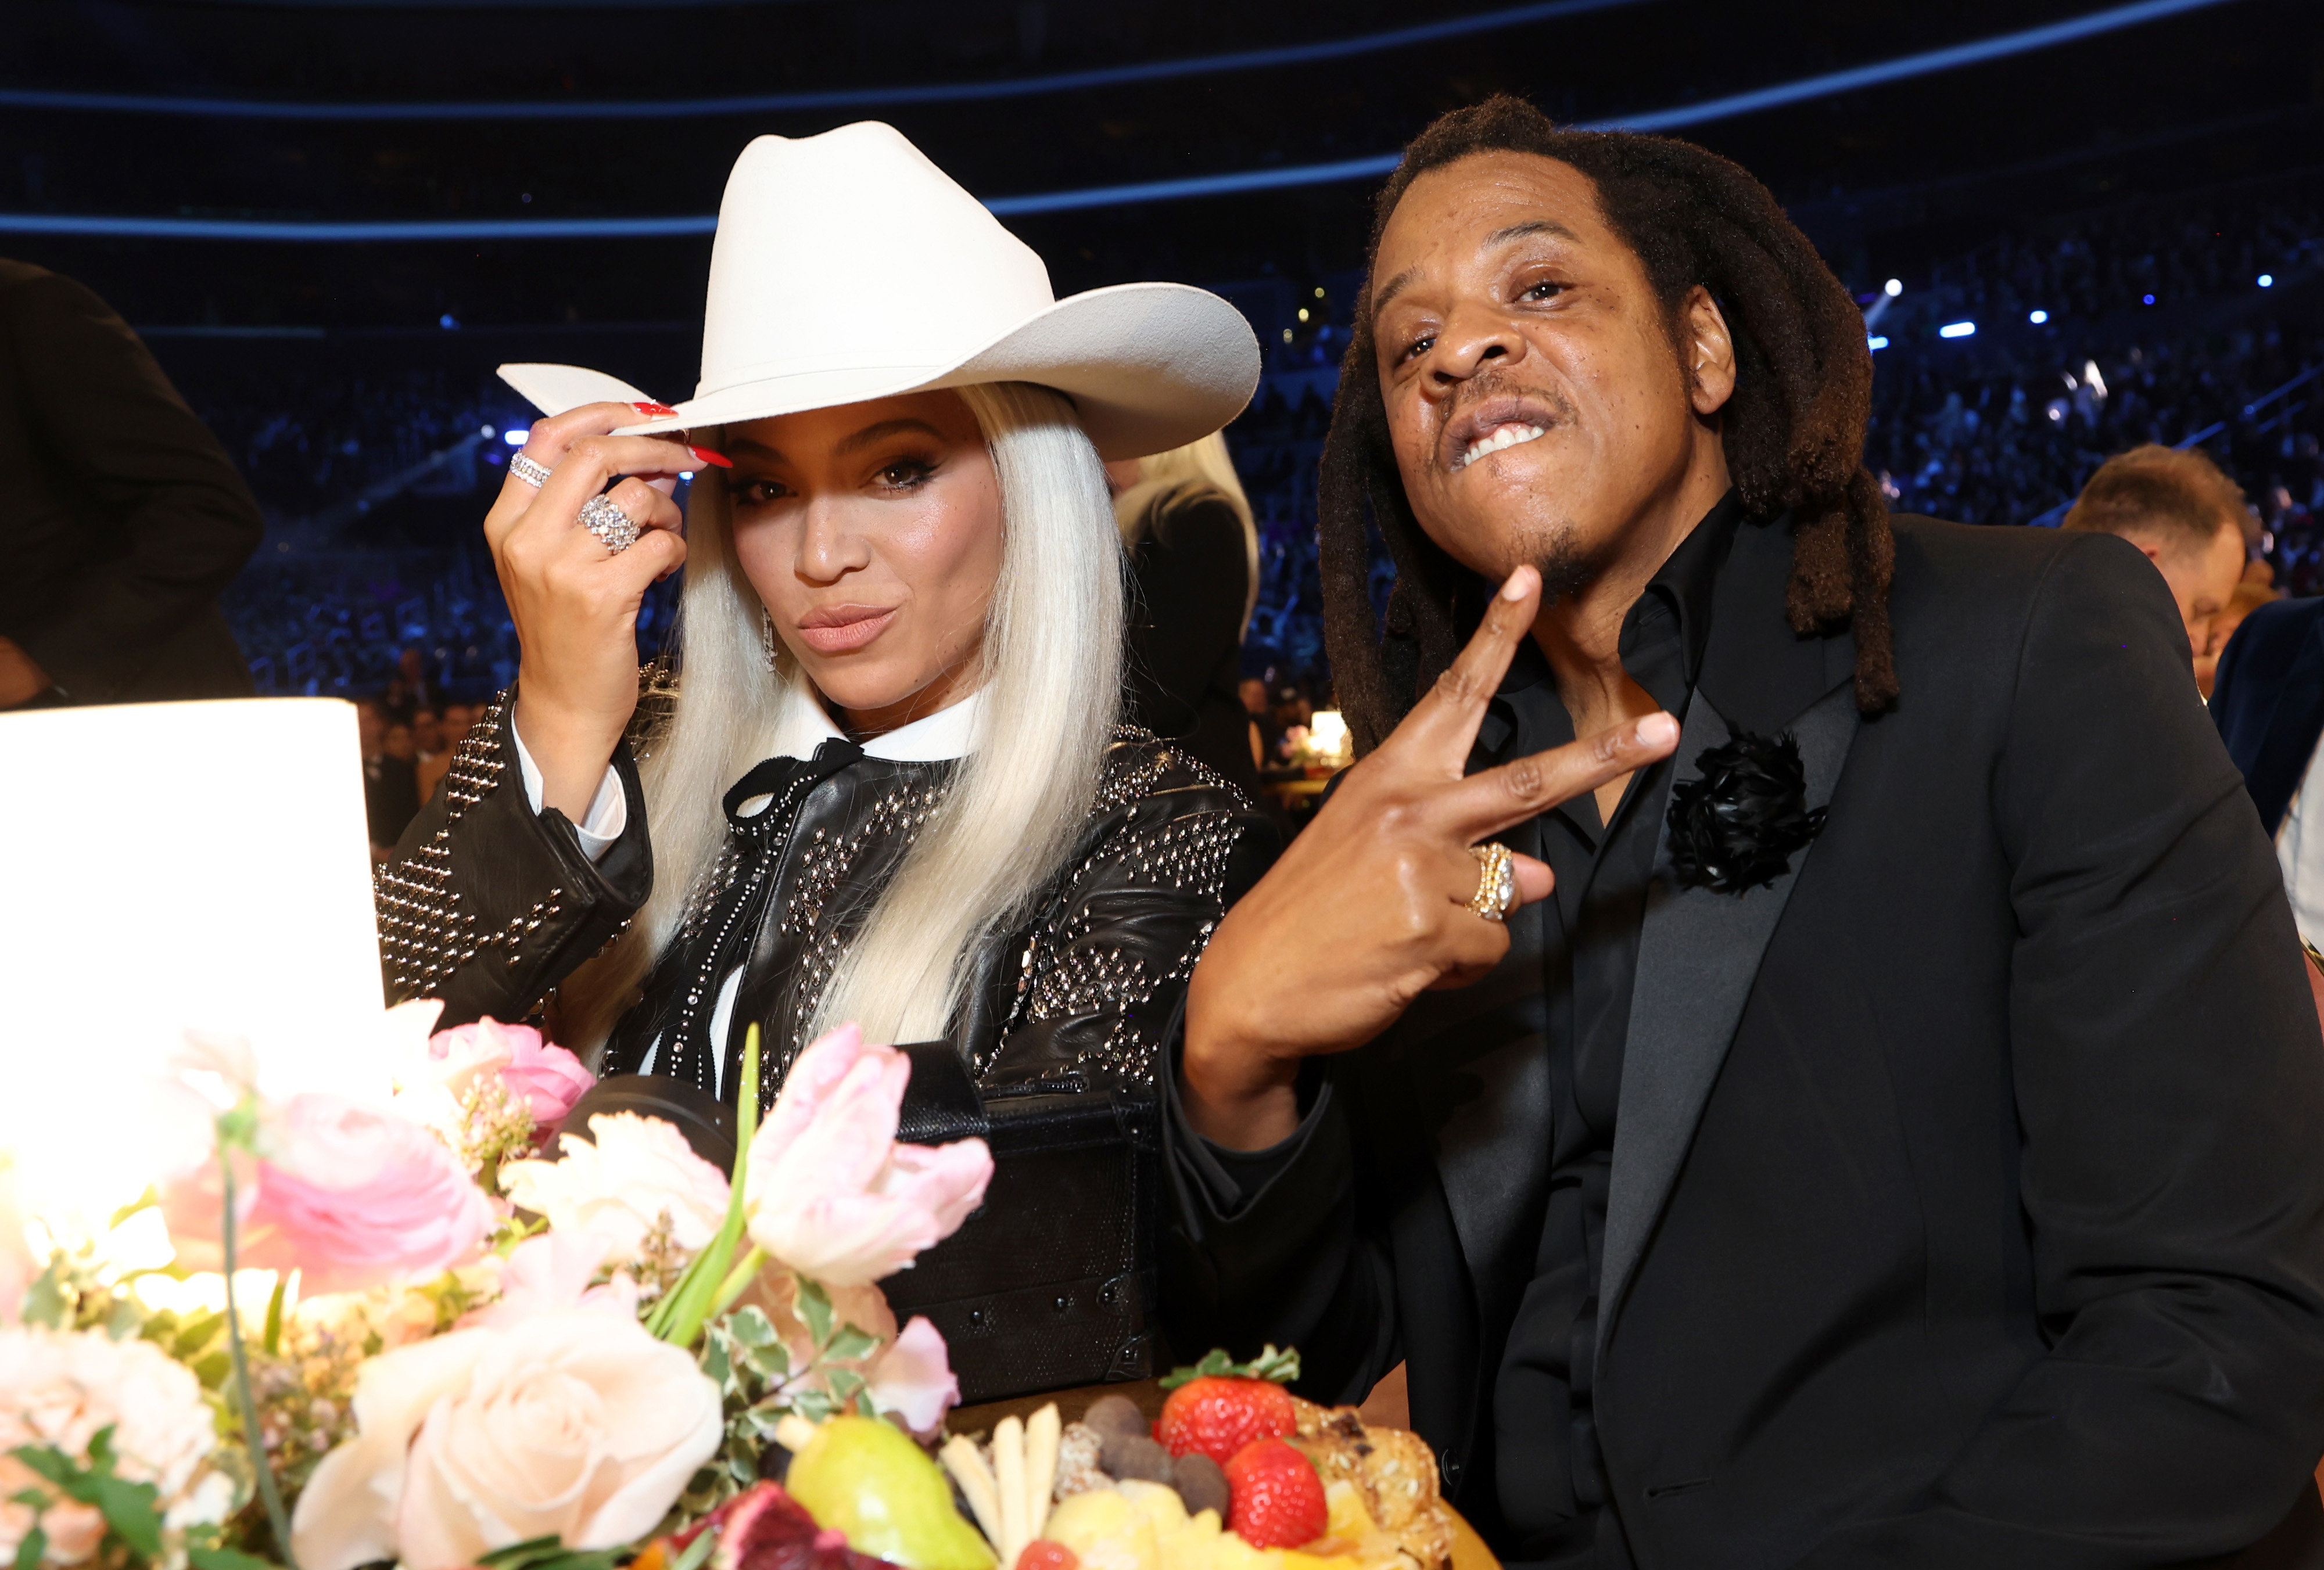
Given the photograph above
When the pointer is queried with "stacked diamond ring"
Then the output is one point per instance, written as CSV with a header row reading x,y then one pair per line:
x,y
535,474
612,526
1497,881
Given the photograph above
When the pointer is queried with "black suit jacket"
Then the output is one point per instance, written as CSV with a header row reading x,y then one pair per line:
x,y
2268,701
125,518
1967,1204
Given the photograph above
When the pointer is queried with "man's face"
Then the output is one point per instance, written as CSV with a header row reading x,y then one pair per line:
x,y
1536,401
1254,695
2202,579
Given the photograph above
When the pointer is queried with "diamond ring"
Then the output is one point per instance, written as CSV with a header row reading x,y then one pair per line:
x,y
609,524
1497,881
534,474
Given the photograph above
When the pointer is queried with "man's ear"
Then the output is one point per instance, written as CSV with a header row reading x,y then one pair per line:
x,y
1710,352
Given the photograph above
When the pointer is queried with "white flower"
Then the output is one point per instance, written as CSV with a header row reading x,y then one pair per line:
x,y
639,1170
577,1424
60,1389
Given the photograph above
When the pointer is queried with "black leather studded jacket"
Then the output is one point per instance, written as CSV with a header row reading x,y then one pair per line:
x,y
489,906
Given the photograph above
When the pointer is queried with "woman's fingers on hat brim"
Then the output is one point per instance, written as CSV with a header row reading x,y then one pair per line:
x,y
1494,799
552,435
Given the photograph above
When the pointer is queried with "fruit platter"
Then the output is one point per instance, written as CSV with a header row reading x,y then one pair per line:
x,y
1237,1473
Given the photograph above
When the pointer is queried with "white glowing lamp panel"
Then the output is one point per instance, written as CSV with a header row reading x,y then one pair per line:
x,y
167,867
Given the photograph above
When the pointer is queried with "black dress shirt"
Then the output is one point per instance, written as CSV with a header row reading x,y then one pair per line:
x,y
1551,1480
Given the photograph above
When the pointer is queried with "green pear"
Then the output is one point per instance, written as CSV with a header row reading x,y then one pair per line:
x,y
865,1479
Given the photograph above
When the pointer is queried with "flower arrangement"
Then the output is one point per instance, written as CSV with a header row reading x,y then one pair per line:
x,y
487,1339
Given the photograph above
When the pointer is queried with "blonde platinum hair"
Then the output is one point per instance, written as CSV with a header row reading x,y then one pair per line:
x,y
1050,682
1181,475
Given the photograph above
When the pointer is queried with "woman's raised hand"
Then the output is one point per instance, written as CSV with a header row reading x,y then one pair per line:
x,y
575,604
1370,906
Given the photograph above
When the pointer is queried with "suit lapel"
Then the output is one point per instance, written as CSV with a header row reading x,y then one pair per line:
x,y
1699,952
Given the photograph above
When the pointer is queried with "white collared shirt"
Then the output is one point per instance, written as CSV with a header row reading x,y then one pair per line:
x,y
2300,849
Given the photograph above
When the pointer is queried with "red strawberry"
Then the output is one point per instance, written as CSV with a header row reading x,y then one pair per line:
x,y
1042,1554
1278,1500
1218,1407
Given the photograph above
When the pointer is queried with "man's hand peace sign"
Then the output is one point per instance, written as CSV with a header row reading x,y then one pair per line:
x,y
1370,906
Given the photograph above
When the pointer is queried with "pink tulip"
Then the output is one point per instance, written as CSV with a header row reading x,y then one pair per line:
x,y
912,1378
350,1195
831,1193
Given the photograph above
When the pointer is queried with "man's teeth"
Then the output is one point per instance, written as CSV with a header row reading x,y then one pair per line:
x,y
1507,436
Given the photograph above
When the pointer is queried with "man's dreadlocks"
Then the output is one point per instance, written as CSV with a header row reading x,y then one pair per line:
x,y
1792,430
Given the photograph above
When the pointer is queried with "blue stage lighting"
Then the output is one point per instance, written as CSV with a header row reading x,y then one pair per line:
x,y
1958,330
514,436
2146,299
1876,341
2267,281
2037,317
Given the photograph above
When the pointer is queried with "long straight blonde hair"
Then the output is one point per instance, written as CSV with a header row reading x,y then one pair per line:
x,y
1050,687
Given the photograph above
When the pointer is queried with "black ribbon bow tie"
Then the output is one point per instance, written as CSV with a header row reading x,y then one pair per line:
x,y
1737,825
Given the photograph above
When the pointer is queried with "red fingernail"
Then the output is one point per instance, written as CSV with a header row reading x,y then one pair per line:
x,y
707,457
657,410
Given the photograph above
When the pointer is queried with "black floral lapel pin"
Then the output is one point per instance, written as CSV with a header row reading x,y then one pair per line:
x,y
1737,825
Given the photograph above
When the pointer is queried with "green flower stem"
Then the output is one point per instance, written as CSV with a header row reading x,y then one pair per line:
x,y
695,1295
252,1432
738,1279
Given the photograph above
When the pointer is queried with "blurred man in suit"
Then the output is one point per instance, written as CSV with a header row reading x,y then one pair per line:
x,y
126,515
2185,516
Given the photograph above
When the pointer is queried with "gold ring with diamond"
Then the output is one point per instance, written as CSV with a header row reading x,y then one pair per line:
x,y
1497,881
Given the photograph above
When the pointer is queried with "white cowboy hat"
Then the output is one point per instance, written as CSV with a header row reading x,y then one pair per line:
x,y
848,267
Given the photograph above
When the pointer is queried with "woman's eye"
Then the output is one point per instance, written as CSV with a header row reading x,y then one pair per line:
x,y
1545,291
905,473
753,491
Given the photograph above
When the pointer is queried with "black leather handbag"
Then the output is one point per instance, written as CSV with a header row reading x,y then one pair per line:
x,y
1051,1282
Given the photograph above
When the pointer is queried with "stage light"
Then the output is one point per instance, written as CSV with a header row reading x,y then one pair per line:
x,y
1876,341
1286,334
515,437
447,322
1892,288
2267,281
1303,313
2146,299
1958,330
488,432
1319,291
2037,317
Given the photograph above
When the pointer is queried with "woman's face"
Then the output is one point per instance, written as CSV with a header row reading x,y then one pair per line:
x,y
872,533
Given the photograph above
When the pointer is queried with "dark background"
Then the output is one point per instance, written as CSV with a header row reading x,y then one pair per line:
x,y
2176,159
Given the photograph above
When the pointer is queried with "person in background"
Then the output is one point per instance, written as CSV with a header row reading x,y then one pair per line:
x,y
1252,691
428,747
391,789
1193,556
125,517
2249,596
2188,516
431,765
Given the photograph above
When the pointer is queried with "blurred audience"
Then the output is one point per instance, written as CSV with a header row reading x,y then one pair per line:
x,y
391,783
126,515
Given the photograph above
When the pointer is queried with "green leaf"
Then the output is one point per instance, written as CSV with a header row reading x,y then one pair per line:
x,y
815,1309
846,1385
124,1320
217,1558
49,1462
132,1509
851,1343
695,1552
35,1545
273,1338
752,1327
49,1300
530,1551
1282,1367
691,1301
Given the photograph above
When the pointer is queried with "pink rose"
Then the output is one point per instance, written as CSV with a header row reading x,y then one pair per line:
x,y
550,1272
350,1195
831,1194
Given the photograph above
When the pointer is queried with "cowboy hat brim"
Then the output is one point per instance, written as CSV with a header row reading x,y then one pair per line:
x,y
1149,366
